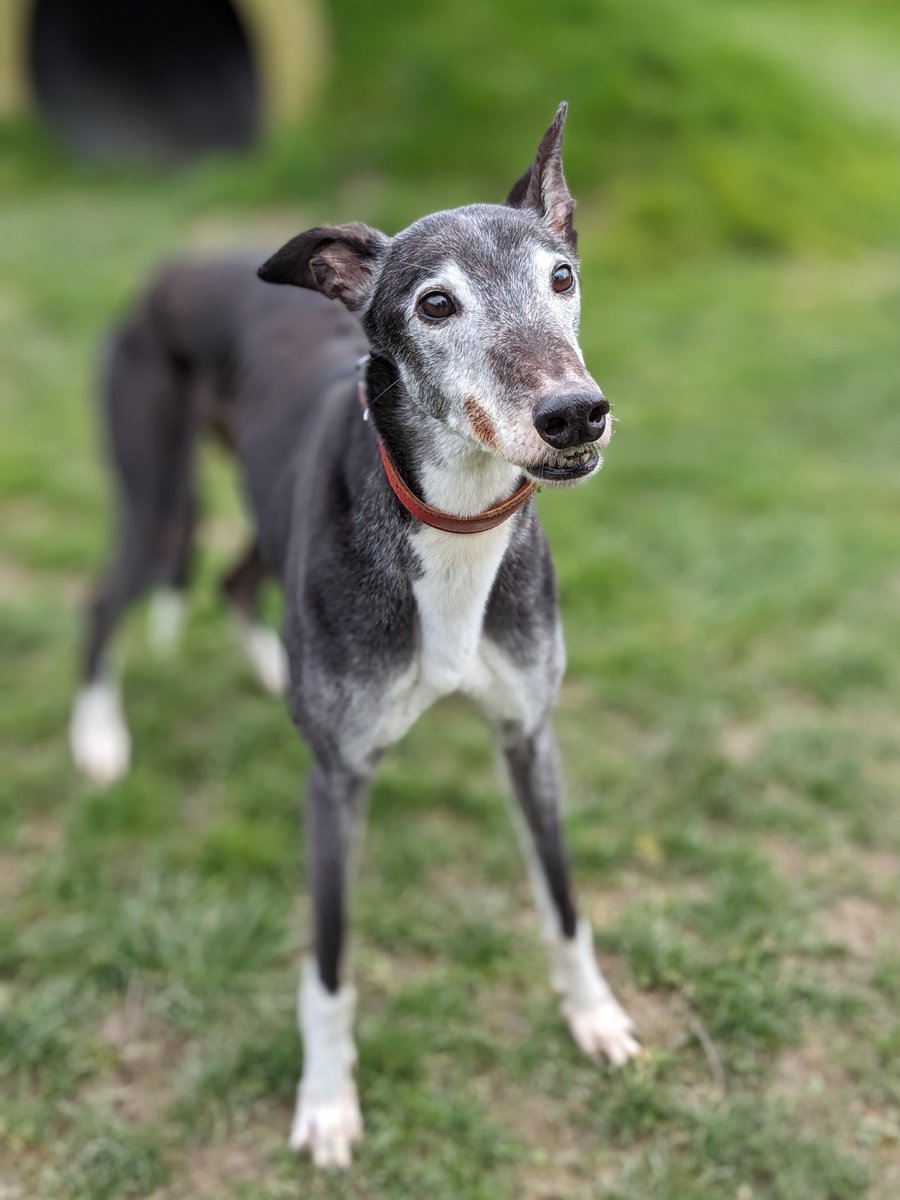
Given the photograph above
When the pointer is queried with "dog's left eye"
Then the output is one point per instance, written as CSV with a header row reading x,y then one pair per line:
x,y
436,306
563,278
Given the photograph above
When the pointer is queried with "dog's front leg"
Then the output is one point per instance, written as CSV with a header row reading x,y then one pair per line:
x,y
598,1023
327,1120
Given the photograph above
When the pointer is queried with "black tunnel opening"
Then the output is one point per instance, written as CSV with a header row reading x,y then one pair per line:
x,y
151,80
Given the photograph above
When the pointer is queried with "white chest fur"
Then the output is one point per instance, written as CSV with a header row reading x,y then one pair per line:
x,y
451,597
458,572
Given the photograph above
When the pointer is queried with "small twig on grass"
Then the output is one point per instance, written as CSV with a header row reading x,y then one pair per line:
x,y
713,1060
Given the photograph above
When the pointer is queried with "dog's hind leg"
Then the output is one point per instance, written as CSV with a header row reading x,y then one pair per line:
x,y
98,734
165,618
151,431
101,744
327,1119
598,1023
263,647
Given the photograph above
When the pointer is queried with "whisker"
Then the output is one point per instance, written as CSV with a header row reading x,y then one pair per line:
x,y
384,390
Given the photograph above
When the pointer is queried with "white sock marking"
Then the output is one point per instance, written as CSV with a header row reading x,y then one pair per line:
x,y
327,1120
266,654
165,619
598,1023
98,735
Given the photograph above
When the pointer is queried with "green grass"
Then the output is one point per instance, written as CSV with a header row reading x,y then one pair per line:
x,y
729,725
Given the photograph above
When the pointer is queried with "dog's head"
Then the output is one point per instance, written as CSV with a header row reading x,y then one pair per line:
x,y
478,307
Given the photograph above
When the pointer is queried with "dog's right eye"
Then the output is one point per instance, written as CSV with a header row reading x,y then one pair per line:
x,y
436,306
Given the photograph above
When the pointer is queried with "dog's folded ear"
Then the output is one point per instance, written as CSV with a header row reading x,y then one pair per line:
x,y
341,261
543,186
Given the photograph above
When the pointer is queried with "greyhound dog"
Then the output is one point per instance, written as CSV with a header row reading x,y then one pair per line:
x,y
392,411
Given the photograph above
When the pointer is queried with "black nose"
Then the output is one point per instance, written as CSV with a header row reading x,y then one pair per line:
x,y
567,419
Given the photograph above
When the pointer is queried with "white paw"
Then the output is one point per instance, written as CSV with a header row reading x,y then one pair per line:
x,y
328,1129
98,735
165,619
267,656
603,1031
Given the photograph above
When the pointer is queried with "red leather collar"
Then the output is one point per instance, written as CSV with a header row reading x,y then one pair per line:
x,y
489,519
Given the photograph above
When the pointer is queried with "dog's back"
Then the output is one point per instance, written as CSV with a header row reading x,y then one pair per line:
x,y
209,347
163,383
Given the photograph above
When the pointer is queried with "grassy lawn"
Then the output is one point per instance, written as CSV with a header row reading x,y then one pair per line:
x,y
730,723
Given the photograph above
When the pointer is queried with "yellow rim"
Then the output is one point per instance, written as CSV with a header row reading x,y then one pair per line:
x,y
287,38
13,75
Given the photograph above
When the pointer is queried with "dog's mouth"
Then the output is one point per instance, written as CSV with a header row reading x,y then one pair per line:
x,y
569,468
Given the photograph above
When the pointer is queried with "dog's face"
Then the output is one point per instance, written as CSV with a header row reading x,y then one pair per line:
x,y
478,308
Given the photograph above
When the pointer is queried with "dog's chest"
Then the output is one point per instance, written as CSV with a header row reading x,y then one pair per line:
x,y
451,598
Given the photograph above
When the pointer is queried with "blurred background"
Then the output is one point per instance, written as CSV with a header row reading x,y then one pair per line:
x,y
730,724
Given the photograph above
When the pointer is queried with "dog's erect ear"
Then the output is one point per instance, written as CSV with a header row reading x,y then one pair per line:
x,y
543,186
340,261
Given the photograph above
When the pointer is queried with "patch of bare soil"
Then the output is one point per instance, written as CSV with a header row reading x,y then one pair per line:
x,y
40,837
815,1080
13,870
16,581
19,585
605,905
792,861
557,1148
207,1171
381,974
503,1011
856,929
859,925
844,868
886,1185
880,868
739,743
146,1053
810,1076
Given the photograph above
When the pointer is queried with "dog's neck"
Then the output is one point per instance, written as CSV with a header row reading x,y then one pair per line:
x,y
445,469
453,574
